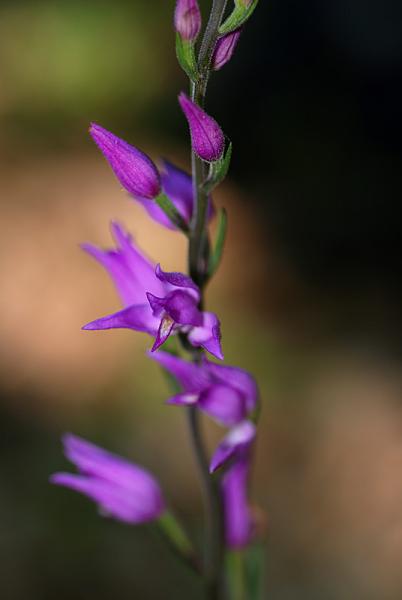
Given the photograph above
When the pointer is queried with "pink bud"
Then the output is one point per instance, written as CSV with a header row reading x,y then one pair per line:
x,y
207,138
134,169
187,19
225,46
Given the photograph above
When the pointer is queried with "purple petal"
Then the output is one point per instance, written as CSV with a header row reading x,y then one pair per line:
x,y
113,501
122,489
178,185
208,335
165,329
236,443
207,138
223,403
139,318
132,273
238,520
95,461
225,46
179,305
187,19
134,169
156,213
177,280
192,377
240,379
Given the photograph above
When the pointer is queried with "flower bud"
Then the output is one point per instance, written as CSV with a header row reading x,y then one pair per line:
x,y
134,169
187,19
207,137
225,46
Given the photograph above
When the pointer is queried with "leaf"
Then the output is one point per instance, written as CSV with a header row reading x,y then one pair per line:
x,y
216,254
238,17
171,212
186,57
218,171
254,571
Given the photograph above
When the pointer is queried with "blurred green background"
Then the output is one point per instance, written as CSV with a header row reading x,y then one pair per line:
x,y
309,292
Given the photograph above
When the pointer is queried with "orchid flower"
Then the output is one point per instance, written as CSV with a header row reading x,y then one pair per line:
x,y
156,302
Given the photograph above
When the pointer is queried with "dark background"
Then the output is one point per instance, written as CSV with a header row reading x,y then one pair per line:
x,y
309,292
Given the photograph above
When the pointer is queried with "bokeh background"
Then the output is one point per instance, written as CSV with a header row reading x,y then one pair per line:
x,y
309,291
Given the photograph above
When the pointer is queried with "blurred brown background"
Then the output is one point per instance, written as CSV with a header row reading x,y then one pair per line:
x,y
309,292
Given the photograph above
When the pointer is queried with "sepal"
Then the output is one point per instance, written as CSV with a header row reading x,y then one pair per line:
x,y
186,57
240,14
171,212
218,170
216,255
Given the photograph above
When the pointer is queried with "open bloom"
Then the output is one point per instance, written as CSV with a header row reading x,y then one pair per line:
x,y
235,444
187,19
227,394
224,49
156,302
235,453
238,521
207,138
121,489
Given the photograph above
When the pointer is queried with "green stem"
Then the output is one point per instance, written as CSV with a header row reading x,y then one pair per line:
x,y
213,537
198,264
235,575
177,539
199,249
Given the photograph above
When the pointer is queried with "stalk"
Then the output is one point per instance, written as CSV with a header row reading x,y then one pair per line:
x,y
197,262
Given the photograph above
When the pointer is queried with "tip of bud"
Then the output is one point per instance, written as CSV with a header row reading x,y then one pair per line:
x,y
207,137
187,19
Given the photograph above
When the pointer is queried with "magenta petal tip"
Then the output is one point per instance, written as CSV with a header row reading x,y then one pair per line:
x,y
133,168
207,138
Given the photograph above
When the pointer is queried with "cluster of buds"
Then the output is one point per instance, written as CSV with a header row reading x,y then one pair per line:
x,y
169,304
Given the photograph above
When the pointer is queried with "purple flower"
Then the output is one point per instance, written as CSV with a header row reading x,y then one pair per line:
x,y
134,169
207,138
227,394
225,46
156,302
238,519
235,453
178,186
235,444
187,19
121,489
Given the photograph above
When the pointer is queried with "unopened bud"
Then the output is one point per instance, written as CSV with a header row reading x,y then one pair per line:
x,y
187,19
225,46
207,138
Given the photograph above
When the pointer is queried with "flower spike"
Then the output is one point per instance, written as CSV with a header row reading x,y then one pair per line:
x,y
207,137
